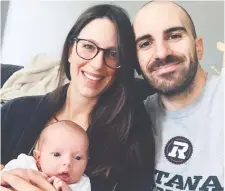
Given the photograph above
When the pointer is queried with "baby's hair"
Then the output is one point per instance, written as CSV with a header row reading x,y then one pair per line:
x,y
66,123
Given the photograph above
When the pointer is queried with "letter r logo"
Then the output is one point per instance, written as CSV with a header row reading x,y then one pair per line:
x,y
178,150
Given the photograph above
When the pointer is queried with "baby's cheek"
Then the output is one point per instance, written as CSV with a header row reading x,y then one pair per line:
x,y
78,171
48,168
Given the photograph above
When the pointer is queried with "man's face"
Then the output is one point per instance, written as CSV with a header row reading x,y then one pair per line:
x,y
166,48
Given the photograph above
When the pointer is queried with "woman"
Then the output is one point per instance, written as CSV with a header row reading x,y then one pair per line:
x,y
98,58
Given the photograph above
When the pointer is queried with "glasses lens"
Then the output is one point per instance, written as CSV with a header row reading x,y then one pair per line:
x,y
86,49
111,59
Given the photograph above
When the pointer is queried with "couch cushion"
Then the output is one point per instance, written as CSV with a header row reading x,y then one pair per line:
x,y
7,70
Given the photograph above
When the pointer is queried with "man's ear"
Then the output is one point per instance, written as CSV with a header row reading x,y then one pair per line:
x,y
199,47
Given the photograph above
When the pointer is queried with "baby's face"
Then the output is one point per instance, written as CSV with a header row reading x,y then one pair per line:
x,y
63,153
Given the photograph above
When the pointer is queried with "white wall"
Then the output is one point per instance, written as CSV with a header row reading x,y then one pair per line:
x,y
34,27
4,5
208,17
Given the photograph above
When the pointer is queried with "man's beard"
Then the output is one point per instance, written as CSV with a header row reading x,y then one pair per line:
x,y
180,84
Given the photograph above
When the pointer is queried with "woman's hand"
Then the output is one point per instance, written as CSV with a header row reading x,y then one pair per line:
x,y
1,167
25,180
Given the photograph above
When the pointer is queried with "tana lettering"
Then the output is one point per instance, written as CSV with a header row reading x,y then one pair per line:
x,y
163,179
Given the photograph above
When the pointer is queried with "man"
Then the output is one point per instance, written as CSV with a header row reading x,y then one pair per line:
x,y
187,111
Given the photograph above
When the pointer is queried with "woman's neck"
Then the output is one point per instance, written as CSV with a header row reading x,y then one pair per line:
x,y
188,97
77,108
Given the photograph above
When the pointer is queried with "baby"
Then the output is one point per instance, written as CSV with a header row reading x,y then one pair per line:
x,y
61,153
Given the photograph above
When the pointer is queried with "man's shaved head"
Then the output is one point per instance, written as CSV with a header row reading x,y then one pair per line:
x,y
189,20
181,11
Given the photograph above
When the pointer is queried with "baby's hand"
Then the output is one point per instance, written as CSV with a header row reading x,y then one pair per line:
x,y
59,184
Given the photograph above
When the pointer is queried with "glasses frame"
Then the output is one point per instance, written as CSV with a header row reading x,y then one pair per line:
x,y
98,50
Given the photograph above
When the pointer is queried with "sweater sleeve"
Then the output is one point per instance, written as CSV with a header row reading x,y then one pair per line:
x,y
14,119
22,121
7,118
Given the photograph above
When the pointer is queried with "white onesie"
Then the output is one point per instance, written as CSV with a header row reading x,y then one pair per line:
x,y
28,162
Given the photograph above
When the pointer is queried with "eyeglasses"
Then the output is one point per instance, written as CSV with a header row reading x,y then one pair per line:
x,y
88,50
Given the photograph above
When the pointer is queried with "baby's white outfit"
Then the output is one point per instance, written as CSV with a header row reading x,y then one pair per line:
x,y
28,162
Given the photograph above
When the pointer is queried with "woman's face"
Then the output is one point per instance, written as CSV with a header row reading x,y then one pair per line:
x,y
91,77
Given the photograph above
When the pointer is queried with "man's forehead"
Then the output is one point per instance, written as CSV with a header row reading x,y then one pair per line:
x,y
158,16
157,8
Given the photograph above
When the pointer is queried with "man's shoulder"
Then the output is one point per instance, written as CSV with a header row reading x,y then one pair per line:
x,y
151,100
216,79
215,85
152,104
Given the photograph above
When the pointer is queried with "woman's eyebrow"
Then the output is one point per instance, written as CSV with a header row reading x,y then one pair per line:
x,y
97,44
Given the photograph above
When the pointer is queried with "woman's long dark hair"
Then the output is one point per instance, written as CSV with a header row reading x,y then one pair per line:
x,y
112,116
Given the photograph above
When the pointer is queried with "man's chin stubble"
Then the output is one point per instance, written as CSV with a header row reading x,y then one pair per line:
x,y
169,90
